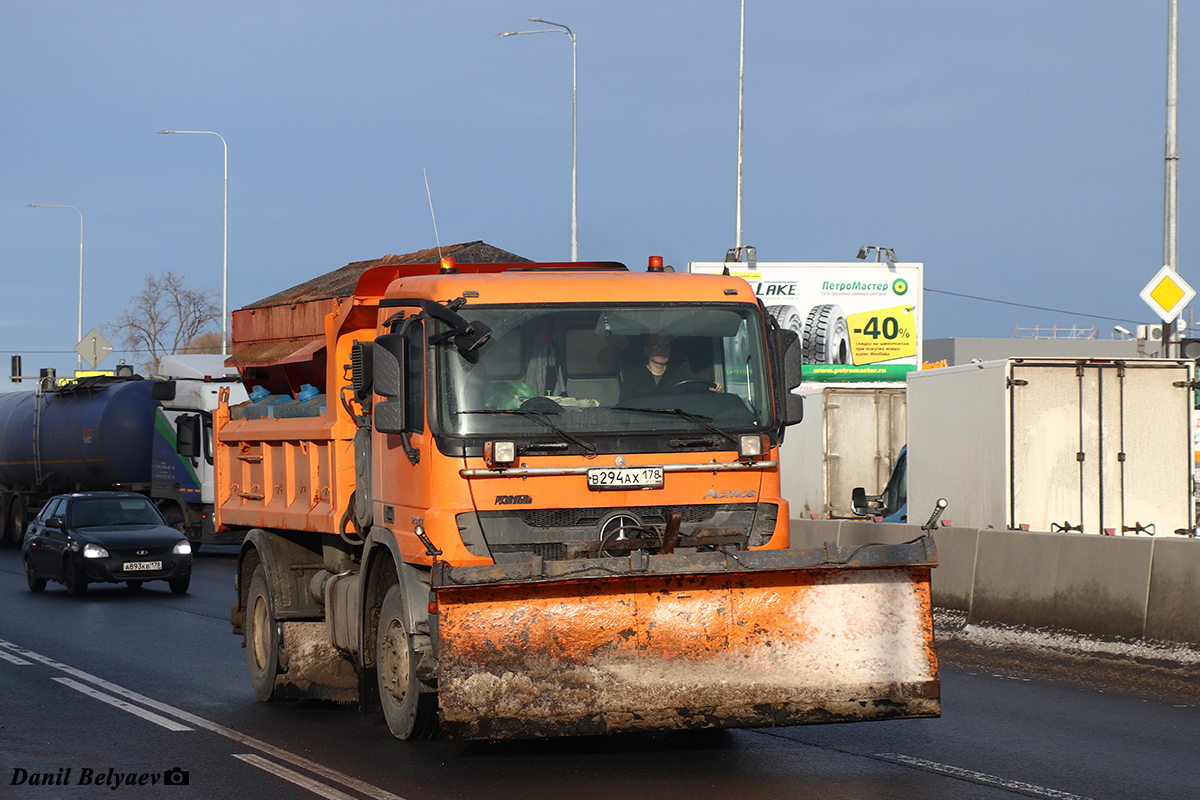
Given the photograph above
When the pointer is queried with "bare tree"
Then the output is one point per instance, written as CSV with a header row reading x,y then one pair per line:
x,y
206,342
166,318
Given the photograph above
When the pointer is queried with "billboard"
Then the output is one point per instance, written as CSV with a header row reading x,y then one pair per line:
x,y
856,321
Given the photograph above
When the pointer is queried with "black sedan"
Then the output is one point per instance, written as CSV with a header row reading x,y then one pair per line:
x,y
96,537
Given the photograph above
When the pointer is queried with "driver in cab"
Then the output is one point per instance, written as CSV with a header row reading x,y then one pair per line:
x,y
659,374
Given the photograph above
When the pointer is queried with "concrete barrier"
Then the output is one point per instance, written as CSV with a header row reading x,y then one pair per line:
x,y
1092,584
1173,601
1132,587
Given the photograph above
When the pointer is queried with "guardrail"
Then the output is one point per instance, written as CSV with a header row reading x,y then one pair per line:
x,y
1132,587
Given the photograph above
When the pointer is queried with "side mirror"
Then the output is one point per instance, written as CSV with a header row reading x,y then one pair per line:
x,y
389,366
787,344
187,435
793,410
867,505
788,350
163,390
858,501
55,522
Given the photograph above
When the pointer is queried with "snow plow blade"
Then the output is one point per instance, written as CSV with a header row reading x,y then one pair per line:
x,y
704,640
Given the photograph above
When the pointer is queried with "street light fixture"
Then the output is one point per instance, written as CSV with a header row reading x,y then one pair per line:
x,y
559,28
225,254
880,253
79,335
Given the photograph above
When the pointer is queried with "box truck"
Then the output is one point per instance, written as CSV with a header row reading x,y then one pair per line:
x,y
1074,445
851,437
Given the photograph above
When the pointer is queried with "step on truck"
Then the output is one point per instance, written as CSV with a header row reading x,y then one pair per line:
x,y
485,522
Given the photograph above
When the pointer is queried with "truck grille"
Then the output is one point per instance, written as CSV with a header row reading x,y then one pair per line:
x,y
586,517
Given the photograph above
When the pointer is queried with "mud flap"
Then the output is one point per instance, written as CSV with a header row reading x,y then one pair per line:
x,y
310,668
693,641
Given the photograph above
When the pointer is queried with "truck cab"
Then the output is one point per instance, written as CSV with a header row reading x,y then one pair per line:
x,y
182,471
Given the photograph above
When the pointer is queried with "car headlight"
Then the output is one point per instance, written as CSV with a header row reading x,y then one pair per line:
x,y
94,551
184,548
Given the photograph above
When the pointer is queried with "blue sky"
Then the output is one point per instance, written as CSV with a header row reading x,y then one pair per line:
x,y
1015,148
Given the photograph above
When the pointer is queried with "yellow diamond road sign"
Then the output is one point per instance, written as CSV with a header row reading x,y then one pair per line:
x,y
1167,294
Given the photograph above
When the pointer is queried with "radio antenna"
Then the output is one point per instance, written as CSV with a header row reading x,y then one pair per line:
x,y
430,196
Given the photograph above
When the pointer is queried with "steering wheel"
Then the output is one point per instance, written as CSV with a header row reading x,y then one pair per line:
x,y
542,405
689,386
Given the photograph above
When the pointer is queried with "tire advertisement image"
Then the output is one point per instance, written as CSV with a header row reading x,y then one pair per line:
x,y
856,322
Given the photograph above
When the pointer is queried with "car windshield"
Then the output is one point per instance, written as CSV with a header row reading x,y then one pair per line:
x,y
608,369
93,512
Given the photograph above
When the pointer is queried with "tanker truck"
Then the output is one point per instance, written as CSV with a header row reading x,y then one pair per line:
x,y
486,523
152,436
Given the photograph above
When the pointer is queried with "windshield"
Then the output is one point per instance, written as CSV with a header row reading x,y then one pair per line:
x,y
97,512
612,369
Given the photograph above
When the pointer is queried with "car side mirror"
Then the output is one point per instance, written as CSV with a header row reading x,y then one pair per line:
x,y
55,522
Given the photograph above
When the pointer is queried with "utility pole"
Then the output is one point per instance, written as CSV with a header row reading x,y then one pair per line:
x,y
1171,181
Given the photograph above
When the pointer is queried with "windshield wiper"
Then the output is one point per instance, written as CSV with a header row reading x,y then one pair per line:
x,y
537,416
700,419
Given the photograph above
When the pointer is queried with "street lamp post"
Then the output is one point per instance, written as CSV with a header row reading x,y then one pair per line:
x,y
559,28
741,98
79,334
225,253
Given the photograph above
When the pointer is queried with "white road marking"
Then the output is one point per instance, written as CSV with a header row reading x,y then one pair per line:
x,y
303,781
14,659
150,716
271,750
978,777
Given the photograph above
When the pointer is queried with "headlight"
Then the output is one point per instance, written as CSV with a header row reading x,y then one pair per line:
x,y
184,548
753,445
94,551
499,454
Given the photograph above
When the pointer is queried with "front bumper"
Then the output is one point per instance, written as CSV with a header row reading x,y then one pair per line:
x,y
112,569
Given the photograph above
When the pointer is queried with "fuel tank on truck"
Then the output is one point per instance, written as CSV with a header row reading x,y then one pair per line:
x,y
89,437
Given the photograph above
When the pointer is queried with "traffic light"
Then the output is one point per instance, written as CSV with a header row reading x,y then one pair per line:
x,y
16,369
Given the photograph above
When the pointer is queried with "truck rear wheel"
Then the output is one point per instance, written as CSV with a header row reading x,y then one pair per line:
x,y
6,535
16,520
262,636
410,714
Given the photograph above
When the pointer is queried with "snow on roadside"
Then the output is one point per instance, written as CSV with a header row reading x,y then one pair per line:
x,y
952,625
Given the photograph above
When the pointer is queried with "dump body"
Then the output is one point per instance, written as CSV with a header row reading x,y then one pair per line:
x,y
490,529
1089,446
851,437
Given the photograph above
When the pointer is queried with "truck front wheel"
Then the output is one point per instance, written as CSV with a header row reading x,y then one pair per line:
x,y
410,714
262,636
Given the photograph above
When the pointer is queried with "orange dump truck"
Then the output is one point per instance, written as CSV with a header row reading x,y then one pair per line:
x,y
470,502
